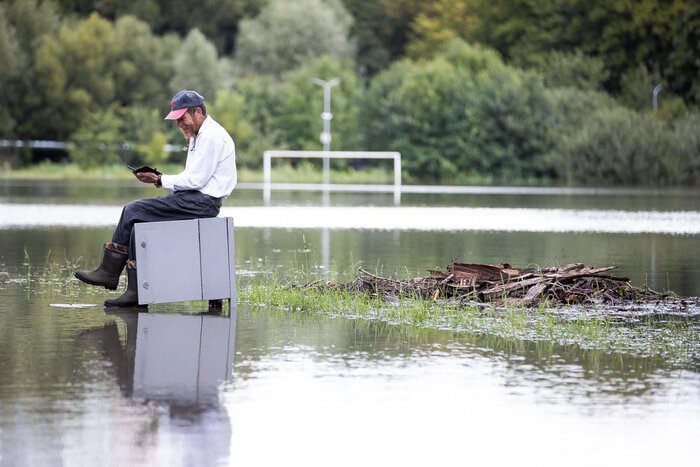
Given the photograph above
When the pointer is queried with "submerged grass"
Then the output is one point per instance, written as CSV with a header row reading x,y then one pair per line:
x,y
676,339
637,331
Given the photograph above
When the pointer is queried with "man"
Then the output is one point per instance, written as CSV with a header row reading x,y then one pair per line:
x,y
208,178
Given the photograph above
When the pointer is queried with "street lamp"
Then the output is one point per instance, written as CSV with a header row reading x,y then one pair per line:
x,y
326,116
655,93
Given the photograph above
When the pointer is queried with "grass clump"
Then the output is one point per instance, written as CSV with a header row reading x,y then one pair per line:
x,y
676,339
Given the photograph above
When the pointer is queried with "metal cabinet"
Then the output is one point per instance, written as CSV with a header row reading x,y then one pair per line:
x,y
185,260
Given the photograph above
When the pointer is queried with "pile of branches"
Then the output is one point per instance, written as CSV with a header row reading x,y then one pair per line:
x,y
498,284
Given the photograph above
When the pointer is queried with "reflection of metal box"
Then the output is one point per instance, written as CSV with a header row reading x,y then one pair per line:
x,y
185,260
183,358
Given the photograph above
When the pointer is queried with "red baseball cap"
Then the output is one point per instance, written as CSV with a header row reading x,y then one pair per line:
x,y
182,101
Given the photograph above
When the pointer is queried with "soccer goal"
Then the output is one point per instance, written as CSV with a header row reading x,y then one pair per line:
x,y
396,156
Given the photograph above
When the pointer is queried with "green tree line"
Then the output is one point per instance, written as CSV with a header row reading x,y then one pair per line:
x,y
492,91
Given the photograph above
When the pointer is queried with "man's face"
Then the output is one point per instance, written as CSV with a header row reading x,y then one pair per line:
x,y
189,124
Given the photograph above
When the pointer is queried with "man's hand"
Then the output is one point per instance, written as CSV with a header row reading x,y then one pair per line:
x,y
147,177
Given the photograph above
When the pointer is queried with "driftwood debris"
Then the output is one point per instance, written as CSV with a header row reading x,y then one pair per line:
x,y
481,283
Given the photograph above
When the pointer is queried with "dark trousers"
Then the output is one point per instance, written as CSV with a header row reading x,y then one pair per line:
x,y
180,205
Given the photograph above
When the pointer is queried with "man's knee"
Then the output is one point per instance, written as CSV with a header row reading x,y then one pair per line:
x,y
135,207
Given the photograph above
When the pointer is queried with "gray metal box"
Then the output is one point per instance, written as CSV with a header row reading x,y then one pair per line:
x,y
187,260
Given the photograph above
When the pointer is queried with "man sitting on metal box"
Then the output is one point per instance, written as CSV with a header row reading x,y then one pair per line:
x,y
197,192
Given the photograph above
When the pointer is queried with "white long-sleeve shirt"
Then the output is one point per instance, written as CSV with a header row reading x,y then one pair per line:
x,y
211,163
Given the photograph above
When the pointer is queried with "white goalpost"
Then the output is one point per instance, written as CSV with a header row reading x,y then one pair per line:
x,y
267,167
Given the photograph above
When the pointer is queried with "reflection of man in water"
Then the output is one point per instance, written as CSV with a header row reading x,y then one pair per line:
x,y
177,363
208,178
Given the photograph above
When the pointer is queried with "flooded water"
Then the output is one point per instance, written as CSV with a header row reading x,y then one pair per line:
x,y
82,385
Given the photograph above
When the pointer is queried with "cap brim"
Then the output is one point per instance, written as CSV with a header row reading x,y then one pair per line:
x,y
175,114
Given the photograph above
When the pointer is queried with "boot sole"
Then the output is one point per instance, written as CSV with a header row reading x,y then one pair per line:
x,y
83,279
115,305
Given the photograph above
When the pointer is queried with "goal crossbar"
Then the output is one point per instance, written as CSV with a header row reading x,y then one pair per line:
x,y
268,155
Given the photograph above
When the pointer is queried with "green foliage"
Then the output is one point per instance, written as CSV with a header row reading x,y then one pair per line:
x,y
144,62
438,22
154,152
563,69
372,55
230,111
657,34
74,73
26,23
686,137
682,68
263,113
216,19
637,86
138,125
462,114
145,132
261,98
9,50
197,67
286,34
396,24
619,146
511,118
95,142
10,58
302,104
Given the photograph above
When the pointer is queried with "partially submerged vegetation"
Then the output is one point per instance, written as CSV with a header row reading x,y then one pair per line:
x,y
463,282
573,305
640,323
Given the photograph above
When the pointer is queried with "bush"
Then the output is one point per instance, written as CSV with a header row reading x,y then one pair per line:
x,y
462,115
620,146
686,135
573,70
96,141
154,152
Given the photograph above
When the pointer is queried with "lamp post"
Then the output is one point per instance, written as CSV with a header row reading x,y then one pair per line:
x,y
326,116
655,93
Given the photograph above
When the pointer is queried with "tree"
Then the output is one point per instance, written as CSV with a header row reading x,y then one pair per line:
x,y
95,142
286,34
620,146
144,64
141,129
197,67
573,69
437,23
682,70
154,151
75,74
217,19
661,35
686,136
372,55
396,25
26,22
262,96
11,69
302,104
230,111
462,114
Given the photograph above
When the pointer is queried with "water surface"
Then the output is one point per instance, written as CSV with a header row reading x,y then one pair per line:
x,y
81,385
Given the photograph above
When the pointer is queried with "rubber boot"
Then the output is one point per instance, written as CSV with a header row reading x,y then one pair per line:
x,y
130,298
107,274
